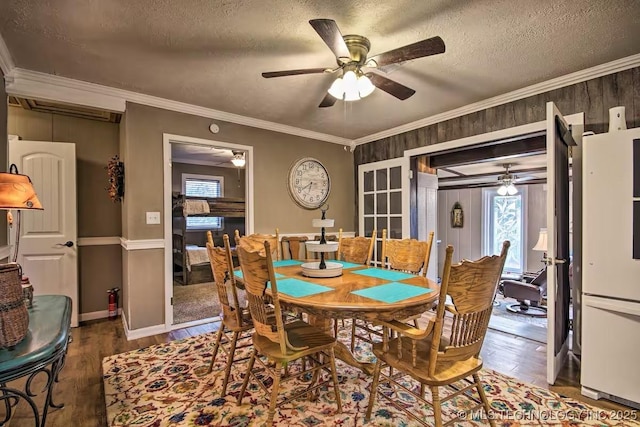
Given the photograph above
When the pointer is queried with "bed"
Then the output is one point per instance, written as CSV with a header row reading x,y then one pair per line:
x,y
190,259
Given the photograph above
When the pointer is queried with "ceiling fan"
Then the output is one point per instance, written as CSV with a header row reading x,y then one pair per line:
x,y
351,56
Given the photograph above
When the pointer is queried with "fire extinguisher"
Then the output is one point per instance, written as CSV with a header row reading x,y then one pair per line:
x,y
113,302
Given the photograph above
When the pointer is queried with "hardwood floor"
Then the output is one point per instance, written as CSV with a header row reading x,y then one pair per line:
x,y
81,389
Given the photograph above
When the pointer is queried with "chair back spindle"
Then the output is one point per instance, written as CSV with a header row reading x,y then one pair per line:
x,y
222,269
471,285
257,271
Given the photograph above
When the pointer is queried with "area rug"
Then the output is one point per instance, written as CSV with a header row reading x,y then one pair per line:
x,y
194,302
167,385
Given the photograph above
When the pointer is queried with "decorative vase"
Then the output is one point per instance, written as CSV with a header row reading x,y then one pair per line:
x,y
14,317
617,120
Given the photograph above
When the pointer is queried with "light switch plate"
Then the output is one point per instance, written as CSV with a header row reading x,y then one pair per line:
x,y
153,217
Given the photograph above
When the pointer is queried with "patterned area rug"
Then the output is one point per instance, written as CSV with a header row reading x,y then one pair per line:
x,y
167,385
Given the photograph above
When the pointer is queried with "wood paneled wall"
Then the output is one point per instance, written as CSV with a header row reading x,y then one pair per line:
x,y
593,97
467,241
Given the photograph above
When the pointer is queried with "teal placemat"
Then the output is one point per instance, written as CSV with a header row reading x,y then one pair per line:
x,y
238,273
299,288
380,273
346,264
286,263
392,292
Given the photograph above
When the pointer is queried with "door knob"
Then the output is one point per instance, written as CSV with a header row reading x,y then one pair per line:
x,y
68,244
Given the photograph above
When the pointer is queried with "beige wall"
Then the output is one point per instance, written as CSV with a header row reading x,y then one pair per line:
x,y
141,147
233,181
467,241
98,216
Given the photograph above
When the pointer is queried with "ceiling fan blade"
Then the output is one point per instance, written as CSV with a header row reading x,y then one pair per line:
x,y
432,46
391,87
328,101
328,30
271,74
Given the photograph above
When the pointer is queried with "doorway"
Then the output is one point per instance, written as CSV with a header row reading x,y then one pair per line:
x,y
206,195
556,352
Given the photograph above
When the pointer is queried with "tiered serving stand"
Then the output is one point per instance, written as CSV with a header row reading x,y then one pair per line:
x,y
322,268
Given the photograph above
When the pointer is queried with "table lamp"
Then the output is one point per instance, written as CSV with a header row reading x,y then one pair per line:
x,y
16,192
541,244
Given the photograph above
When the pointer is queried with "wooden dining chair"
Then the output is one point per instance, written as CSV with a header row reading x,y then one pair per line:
x,y
236,320
281,343
406,255
257,240
438,358
357,249
293,247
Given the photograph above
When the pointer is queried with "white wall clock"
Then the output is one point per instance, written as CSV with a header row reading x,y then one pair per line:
x,y
309,183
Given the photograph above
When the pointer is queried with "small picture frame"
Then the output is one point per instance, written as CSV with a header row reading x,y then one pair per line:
x,y
457,216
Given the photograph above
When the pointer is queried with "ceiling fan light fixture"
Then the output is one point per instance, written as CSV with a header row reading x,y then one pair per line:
x,y
337,88
238,159
351,86
512,190
502,191
365,87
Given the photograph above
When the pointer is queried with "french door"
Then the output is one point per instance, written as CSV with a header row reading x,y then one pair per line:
x,y
383,200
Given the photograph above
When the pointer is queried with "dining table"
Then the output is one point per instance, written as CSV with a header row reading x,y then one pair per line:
x,y
362,292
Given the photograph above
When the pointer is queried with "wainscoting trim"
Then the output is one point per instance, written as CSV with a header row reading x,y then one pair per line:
x,y
311,235
33,84
135,245
98,241
559,82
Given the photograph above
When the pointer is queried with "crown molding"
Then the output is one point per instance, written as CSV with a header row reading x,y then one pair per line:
x,y
33,84
538,88
6,61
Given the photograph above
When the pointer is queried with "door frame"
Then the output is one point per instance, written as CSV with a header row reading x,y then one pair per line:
x,y
167,140
577,122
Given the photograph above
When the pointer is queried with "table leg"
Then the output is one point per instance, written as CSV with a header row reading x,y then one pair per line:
x,y
342,351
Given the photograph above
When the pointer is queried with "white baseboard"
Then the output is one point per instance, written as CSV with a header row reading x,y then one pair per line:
x,y
96,315
149,331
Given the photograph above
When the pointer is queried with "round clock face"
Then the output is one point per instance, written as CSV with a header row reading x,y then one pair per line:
x,y
309,183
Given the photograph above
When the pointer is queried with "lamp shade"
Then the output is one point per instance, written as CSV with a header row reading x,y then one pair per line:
x,y
17,192
541,245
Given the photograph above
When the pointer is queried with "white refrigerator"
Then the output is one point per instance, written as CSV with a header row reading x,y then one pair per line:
x,y
610,365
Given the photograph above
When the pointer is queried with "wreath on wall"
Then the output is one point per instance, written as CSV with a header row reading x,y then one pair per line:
x,y
115,172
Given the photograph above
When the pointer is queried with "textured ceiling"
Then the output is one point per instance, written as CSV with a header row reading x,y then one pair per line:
x,y
211,53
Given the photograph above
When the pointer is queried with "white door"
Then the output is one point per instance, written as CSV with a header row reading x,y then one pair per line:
x,y
428,217
48,252
559,139
383,200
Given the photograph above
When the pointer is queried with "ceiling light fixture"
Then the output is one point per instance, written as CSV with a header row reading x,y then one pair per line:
x,y
506,181
238,159
352,86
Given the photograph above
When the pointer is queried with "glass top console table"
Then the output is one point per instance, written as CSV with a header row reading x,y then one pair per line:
x,y
41,352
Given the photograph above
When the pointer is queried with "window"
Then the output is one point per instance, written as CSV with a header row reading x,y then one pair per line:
x,y
203,186
504,220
